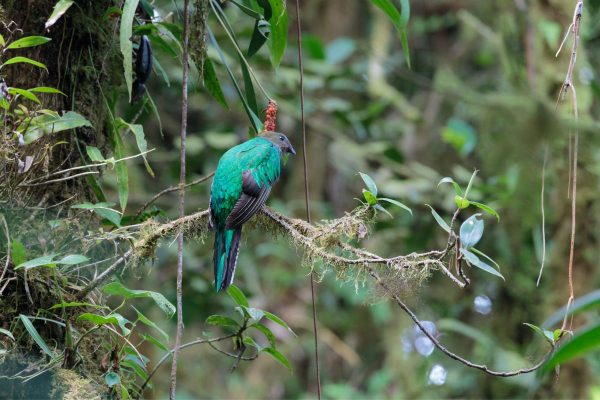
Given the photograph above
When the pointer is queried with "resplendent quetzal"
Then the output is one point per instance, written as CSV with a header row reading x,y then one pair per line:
x,y
241,185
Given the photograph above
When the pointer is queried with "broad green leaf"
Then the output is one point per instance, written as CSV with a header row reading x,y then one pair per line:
x,y
46,89
117,288
26,60
25,93
38,262
18,252
547,335
370,183
73,259
114,319
59,9
47,124
583,342
396,203
439,219
7,333
221,320
112,379
29,41
589,301
277,41
103,210
486,208
457,188
473,260
237,296
212,84
125,33
471,231
35,335
371,200
274,318
276,354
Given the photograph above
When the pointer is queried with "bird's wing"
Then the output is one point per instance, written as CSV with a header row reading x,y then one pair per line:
x,y
256,186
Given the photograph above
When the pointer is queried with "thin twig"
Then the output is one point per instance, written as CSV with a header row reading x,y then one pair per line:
x,y
170,190
543,216
107,273
183,134
183,346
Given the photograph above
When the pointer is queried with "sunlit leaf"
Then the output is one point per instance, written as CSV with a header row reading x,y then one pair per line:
x,y
38,262
59,9
25,93
45,89
26,60
369,197
29,41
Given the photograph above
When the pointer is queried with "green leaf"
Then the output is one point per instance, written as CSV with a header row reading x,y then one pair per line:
x,y
103,210
247,10
121,169
18,252
94,154
262,30
277,41
371,200
461,202
400,21
482,254
221,320
154,341
112,379
46,89
457,188
125,33
265,331
472,259
276,354
117,288
140,140
35,335
379,207
396,203
370,183
212,84
53,123
148,322
274,318
253,313
487,209
73,259
2,41
589,301
237,296
583,342
460,135
439,219
26,60
38,262
547,335
257,124
59,9
76,304
250,342
7,333
29,41
471,231
25,93
114,319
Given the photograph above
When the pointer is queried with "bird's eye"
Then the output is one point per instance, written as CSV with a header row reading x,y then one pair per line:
x,y
281,138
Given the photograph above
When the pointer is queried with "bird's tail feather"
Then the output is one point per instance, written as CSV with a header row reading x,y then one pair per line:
x,y
226,249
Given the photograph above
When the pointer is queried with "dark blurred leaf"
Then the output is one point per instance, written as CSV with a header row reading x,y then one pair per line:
x,y
460,135
262,30
400,21
212,84
588,301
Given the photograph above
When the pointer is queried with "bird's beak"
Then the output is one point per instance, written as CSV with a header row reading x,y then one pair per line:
x,y
291,150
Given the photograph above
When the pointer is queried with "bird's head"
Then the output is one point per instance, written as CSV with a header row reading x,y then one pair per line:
x,y
279,140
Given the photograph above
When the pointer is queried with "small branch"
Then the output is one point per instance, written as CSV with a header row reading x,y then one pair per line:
x,y
171,190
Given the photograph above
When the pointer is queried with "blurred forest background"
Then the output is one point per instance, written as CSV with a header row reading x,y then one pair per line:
x,y
480,93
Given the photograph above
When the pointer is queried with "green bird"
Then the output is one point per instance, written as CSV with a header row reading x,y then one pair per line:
x,y
241,185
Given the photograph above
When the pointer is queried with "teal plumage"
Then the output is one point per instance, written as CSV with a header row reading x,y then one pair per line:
x,y
241,185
